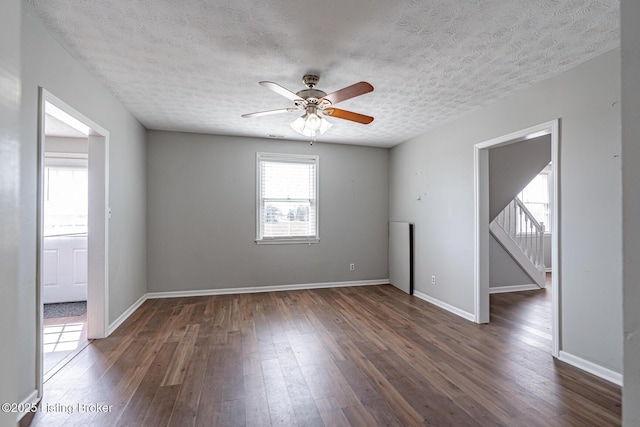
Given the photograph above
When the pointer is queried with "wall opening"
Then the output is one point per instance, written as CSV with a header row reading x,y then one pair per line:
x,y
72,150
482,220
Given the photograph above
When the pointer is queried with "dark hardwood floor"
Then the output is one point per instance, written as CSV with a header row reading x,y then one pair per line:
x,y
361,356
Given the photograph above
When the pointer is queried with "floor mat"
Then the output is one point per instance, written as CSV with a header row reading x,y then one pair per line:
x,y
65,309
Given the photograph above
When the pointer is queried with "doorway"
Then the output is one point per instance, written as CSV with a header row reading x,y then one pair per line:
x,y
64,256
72,235
482,216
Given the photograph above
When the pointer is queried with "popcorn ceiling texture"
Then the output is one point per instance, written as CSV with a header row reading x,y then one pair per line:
x,y
194,65
55,127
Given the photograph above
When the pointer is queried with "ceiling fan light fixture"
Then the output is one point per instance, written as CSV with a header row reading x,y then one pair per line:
x,y
298,124
312,122
310,125
325,125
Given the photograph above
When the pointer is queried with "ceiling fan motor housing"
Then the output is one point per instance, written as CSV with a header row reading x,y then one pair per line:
x,y
310,80
311,95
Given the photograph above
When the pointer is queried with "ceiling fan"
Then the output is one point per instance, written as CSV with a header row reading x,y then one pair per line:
x,y
313,102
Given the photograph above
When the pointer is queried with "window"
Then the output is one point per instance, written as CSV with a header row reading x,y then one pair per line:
x,y
287,198
65,200
535,197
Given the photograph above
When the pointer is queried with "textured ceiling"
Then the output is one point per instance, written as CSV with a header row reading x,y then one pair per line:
x,y
194,65
56,127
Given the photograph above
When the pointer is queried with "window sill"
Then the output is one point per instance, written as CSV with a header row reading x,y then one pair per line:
x,y
287,241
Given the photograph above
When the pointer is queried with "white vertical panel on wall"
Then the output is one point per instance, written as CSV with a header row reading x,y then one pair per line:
x,y
400,256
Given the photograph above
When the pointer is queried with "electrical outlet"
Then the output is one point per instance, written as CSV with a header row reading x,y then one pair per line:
x,y
352,267
433,280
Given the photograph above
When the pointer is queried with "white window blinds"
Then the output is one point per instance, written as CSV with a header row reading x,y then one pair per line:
x,y
287,210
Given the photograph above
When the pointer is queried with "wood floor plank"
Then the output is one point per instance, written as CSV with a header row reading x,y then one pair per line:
x,y
232,413
185,409
209,405
426,399
159,412
233,369
302,400
331,412
178,366
387,391
256,403
142,400
360,356
120,397
369,395
281,410
250,348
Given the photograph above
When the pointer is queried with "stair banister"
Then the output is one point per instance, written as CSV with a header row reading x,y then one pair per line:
x,y
525,231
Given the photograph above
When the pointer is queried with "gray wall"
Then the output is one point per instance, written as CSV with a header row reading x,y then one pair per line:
x,y
9,202
631,208
45,63
439,165
503,269
512,167
201,215
57,144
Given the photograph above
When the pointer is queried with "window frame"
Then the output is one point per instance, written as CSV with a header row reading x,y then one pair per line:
x,y
286,158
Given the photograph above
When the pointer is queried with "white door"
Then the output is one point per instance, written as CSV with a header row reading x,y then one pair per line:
x,y
64,269
64,263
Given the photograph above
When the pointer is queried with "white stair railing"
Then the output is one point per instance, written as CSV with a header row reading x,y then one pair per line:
x,y
524,230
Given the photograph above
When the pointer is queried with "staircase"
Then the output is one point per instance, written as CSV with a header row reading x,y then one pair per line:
x,y
521,236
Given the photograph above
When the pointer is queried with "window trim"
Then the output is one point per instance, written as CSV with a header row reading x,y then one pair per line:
x,y
287,158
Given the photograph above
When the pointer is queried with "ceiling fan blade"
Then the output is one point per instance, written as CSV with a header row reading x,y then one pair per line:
x,y
348,92
270,112
348,115
280,90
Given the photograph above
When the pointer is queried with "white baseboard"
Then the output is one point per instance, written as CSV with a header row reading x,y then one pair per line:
x,y
30,401
124,316
255,289
592,368
514,288
455,310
